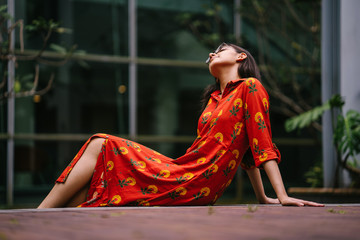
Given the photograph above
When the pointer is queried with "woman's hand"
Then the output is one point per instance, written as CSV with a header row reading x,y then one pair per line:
x,y
289,201
268,200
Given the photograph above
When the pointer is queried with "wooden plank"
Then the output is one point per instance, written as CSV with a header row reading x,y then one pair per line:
x,y
215,222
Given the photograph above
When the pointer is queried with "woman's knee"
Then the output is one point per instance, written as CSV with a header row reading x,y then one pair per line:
x,y
95,145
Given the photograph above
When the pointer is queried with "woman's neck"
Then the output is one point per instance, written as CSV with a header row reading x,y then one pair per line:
x,y
225,76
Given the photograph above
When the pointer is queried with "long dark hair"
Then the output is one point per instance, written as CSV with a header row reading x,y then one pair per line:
x,y
247,68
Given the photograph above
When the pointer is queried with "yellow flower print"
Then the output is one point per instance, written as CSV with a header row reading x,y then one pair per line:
x,y
123,150
260,121
152,188
181,190
220,153
219,136
201,144
213,121
263,156
188,175
142,202
109,165
245,105
149,189
266,105
238,126
220,113
210,101
258,117
232,164
201,160
205,117
238,103
131,181
215,198
137,147
157,153
217,155
214,168
236,153
256,146
142,164
165,173
250,81
205,191
115,199
255,142
157,160
228,183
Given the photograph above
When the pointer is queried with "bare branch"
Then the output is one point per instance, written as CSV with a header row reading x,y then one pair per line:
x,y
19,22
33,92
48,87
296,17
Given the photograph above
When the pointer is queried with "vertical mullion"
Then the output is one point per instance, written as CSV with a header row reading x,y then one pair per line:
x,y
10,114
132,69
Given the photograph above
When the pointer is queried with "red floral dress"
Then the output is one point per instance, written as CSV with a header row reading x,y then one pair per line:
x,y
128,173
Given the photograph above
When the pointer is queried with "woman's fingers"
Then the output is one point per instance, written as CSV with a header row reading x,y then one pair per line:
x,y
300,203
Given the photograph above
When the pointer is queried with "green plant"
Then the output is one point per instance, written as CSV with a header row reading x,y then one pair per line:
x,y
314,176
24,86
346,129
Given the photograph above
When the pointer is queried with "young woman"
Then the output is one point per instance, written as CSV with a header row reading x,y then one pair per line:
x,y
111,171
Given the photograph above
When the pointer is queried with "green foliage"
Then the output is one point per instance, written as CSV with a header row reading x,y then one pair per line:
x,y
3,12
41,24
346,135
315,175
305,119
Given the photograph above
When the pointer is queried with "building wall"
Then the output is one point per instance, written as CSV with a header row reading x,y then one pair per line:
x,y
350,53
350,59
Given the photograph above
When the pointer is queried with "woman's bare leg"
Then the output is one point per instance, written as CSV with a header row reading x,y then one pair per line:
x,y
78,179
79,197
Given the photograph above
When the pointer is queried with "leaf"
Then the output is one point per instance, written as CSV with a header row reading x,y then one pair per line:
x,y
3,8
306,118
58,48
27,77
347,134
336,101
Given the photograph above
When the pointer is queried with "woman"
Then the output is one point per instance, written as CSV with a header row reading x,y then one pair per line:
x,y
111,171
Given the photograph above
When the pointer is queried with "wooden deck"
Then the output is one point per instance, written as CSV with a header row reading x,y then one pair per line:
x,y
216,222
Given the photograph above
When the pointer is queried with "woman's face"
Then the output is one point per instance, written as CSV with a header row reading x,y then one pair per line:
x,y
224,55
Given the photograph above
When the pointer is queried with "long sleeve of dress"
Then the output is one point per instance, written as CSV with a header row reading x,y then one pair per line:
x,y
257,125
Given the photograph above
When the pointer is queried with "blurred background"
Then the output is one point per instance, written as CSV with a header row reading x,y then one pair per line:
x,y
136,69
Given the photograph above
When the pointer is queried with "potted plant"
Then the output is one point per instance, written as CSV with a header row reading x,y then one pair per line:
x,y
346,139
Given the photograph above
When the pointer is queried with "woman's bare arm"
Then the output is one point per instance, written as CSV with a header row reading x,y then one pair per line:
x,y
256,182
273,172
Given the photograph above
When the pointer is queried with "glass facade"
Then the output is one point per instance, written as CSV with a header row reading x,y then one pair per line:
x,y
92,92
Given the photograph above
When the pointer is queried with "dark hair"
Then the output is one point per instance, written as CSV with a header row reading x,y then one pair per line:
x,y
247,68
